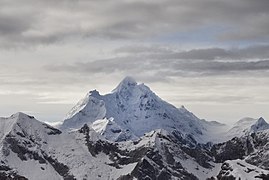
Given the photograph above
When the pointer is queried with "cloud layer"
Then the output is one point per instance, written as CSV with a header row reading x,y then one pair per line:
x,y
151,63
31,22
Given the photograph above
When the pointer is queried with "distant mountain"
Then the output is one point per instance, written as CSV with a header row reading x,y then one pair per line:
x,y
246,126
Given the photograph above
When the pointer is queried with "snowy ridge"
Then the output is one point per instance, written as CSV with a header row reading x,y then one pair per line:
x,y
21,122
35,150
87,110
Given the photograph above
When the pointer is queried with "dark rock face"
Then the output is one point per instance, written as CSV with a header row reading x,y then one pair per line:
x,y
117,155
200,152
21,148
154,166
263,176
6,173
202,156
6,176
53,131
260,158
232,149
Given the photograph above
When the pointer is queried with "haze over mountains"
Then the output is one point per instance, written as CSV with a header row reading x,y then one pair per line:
x,y
131,133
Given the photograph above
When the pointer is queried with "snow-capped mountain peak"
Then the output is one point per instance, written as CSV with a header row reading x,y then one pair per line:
x,y
135,109
90,98
9,123
87,110
247,125
260,125
24,124
127,83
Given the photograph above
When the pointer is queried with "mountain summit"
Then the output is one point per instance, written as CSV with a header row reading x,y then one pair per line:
x,y
260,125
127,83
133,109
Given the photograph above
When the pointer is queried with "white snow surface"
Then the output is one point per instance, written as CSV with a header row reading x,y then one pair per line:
x,y
203,173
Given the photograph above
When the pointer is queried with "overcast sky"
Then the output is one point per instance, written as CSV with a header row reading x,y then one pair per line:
x,y
211,56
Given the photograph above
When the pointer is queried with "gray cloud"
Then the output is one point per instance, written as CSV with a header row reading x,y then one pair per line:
x,y
162,70
42,22
155,52
159,64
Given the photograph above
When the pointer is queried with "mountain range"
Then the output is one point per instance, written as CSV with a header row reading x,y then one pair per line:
x,y
131,133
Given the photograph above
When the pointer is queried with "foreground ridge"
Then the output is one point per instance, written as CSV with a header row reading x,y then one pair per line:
x,y
34,150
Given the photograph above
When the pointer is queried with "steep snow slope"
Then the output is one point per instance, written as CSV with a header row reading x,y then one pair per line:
x,y
87,110
135,108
